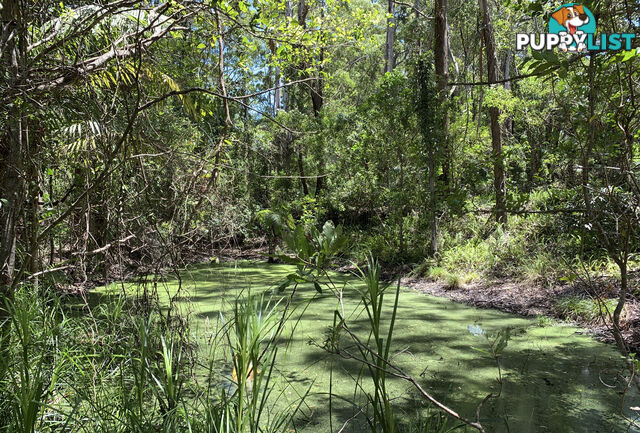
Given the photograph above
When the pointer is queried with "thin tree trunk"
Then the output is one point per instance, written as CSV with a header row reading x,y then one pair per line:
x,y
34,211
277,92
389,59
417,10
303,179
433,220
441,51
619,253
318,101
285,91
303,9
499,183
533,168
508,123
52,247
225,101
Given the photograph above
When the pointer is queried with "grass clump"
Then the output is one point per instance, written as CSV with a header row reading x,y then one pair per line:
x,y
119,363
585,309
479,249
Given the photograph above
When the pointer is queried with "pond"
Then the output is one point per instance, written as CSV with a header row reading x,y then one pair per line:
x,y
556,378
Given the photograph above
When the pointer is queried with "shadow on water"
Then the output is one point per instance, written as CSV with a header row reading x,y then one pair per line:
x,y
554,377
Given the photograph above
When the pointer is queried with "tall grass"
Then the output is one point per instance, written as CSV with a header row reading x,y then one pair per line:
x,y
120,367
374,354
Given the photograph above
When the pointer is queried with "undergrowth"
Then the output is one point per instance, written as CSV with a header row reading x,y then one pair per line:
x,y
526,250
585,309
123,365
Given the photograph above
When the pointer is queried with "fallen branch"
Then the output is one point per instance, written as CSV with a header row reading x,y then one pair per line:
x,y
48,271
399,373
102,249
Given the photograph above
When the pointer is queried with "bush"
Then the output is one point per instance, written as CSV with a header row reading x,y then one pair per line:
x,y
585,309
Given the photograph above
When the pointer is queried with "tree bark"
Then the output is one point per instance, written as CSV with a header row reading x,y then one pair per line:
x,y
225,101
14,151
441,51
499,183
317,99
389,59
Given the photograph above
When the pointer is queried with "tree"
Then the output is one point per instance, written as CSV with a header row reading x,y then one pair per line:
x,y
441,53
14,149
44,51
499,183
389,57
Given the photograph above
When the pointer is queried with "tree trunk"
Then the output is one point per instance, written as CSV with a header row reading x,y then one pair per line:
x,y
499,183
34,208
303,179
277,92
14,151
389,60
508,123
317,99
433,220
441,50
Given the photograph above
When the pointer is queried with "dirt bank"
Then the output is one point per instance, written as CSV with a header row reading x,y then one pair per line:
x,y
529,299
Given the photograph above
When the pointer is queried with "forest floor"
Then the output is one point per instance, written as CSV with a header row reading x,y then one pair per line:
x,y
532,299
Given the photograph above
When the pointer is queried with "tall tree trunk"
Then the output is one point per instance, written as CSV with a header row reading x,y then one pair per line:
x,y
389,59
317,99
303,10
277,92
618,248
441,50
225,101
285,90
499,183
433,220
14,149
34,208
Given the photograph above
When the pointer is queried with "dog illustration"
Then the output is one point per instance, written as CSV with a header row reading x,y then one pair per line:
x,y
571,17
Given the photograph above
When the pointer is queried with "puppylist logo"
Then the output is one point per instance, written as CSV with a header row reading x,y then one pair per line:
x,y
572,27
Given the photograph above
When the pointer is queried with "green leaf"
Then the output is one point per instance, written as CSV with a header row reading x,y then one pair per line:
x,y
550,56
283,286
295,278
563,72
627,55
537,55
317,286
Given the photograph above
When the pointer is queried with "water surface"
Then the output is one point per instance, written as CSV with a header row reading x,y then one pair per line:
x,y
557,379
